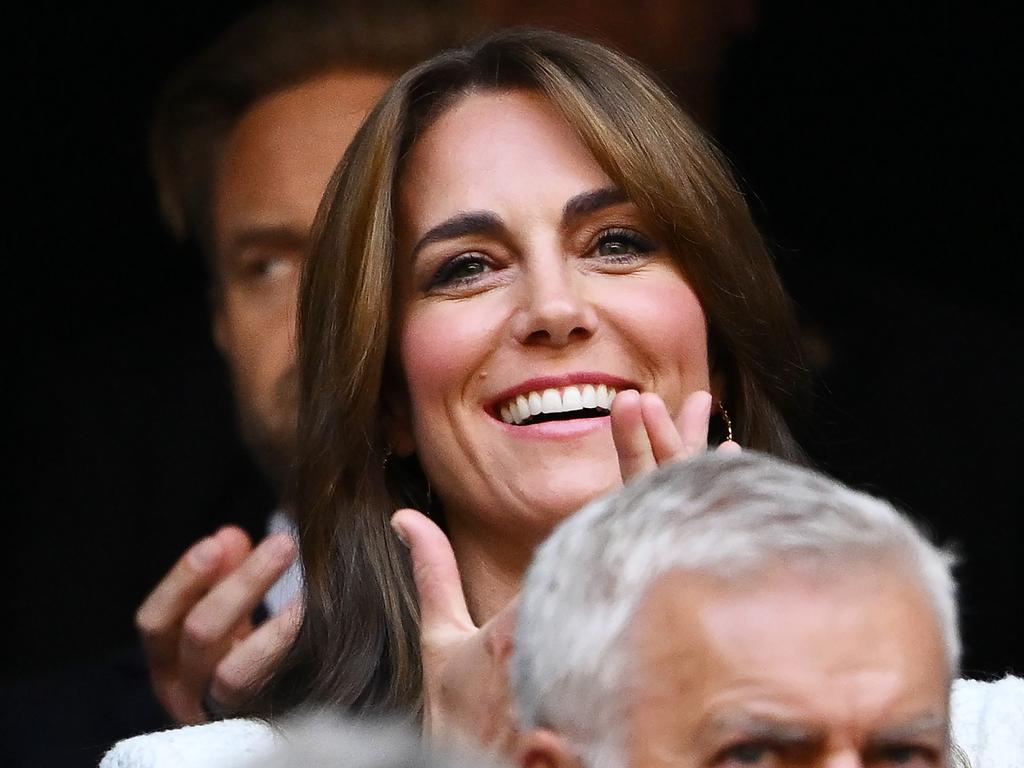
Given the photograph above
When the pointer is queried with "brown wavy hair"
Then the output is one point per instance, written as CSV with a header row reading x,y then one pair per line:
x,y
359,643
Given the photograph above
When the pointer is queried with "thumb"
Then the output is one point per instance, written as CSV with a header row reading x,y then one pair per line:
x,y
435,572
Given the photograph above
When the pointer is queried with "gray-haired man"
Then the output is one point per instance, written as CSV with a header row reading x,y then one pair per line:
x,y
734,611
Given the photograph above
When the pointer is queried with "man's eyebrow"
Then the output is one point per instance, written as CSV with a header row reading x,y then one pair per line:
x,y
927,724
459,225
759,728
594,200
281,236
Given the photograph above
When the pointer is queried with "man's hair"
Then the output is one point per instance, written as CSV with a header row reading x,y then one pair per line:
x,y
727,517
276,46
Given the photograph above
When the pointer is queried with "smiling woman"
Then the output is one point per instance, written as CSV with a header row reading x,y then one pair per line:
x,y
522,232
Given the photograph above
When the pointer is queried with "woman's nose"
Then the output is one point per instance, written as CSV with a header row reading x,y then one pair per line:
x,y
553,311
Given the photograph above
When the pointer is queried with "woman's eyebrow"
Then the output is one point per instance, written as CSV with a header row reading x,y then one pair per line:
x,y
459,225
586,203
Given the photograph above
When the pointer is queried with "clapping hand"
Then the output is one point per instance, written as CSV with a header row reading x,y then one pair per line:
x,y
201,647
646,436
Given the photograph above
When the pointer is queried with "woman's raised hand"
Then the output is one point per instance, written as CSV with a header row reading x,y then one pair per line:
x,y
645,434
466,698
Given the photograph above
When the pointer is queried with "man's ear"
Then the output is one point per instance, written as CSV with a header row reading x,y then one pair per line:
x,y
396,416
541,748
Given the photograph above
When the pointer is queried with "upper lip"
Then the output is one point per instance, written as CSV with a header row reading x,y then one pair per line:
x,y
541,383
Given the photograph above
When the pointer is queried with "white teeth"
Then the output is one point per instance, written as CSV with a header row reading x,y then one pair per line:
x,y
536,405
589,396
522,408
565,400
551,401
571,399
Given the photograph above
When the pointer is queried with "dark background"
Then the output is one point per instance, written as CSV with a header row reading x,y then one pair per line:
x,y
878,144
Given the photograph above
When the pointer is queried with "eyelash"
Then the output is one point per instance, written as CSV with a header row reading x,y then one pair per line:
x,y
445,275
637,246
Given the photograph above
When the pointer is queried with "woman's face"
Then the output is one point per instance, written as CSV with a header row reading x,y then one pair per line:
x,y
528,285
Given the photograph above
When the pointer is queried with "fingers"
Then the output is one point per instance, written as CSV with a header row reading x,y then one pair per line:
x,y
692,423
248,665
210,627
632,444
665,440
645,435
159,618
438,586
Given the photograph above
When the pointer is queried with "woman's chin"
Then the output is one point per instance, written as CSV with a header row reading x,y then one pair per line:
x,y
560,496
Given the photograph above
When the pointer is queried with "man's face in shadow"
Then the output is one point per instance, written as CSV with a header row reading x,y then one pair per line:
x,y
272,174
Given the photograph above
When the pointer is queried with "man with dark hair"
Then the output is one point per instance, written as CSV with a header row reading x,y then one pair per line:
x,y
244,141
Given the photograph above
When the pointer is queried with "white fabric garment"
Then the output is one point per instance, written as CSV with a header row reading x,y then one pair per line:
x,y
221,744
987,721
289,585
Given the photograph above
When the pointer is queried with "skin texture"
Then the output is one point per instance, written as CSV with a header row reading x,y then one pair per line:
x,y
195,625
539,293
797,668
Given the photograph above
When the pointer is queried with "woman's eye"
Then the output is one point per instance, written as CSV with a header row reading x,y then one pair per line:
x,y
462,269
622,245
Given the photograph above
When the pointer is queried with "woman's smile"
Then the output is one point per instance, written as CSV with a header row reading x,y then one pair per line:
x,y
527,302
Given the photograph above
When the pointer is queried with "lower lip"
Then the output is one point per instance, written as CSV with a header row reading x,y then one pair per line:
x,y
559,430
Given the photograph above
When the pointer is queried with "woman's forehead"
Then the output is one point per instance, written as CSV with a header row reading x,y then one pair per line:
x,y
495,150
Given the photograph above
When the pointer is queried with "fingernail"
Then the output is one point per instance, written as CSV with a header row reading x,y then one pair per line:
x,y
204,554
400,534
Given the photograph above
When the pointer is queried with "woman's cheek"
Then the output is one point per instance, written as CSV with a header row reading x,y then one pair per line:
x,y
442,347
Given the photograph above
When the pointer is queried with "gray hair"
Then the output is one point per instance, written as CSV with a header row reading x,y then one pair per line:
x,y
328,739
729,517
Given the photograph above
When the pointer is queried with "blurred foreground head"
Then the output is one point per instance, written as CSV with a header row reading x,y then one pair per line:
x,y
243,142
329,740
736,610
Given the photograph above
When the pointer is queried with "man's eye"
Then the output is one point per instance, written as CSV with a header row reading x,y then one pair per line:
x,y
274,267
905,756
753,754
464,268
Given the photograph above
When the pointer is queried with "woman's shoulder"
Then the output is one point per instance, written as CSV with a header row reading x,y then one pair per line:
x,y
988,721
222,743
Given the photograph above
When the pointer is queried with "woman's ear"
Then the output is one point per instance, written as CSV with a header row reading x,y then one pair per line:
x,y
396,415
541,748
